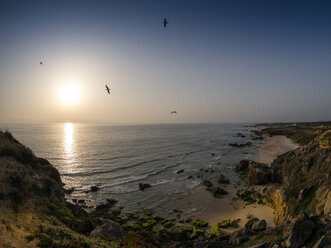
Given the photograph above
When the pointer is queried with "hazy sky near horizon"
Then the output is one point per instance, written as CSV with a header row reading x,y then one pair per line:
x,y
217,61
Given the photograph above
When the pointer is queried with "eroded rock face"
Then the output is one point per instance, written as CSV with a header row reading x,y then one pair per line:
x,y
259,173
108,230
300,231
239,237
327,206
243,165
278,202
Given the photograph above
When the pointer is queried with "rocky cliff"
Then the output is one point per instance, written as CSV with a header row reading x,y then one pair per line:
x,y
305,176
33,210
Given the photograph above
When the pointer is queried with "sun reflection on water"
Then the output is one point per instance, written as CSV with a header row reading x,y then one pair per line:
x,y
69,141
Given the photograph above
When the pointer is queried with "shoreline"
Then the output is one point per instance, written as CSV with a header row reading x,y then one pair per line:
x,y
274,146
218,210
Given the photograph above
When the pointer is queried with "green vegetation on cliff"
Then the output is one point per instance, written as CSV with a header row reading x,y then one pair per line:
x,y
305,171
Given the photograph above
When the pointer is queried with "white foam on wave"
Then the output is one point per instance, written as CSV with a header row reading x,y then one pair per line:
x,y
124,181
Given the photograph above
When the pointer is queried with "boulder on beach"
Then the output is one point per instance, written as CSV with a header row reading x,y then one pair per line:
x,y
259,225
207,183
250,223
218,192
223,179
238,237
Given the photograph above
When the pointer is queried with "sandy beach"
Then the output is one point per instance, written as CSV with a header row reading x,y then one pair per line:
x,y
273,147
227,208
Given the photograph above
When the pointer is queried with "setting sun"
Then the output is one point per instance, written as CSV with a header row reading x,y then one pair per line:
x,y
69,94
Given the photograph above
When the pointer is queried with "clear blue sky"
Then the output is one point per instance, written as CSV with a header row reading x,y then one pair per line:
x,y
217,61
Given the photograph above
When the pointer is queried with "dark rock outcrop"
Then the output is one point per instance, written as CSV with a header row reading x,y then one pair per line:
x,y
223,179
217,192
94,188
240,135
143,186
238,237
299,231
303,193
207,183
109,230
260,225
69,191
259,173
240,145
242,166
250,223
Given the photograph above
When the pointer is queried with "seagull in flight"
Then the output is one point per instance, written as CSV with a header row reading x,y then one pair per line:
x,y
165,22
173,112
107,89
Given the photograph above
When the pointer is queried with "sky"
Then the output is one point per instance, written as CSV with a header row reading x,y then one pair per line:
x,y
216,61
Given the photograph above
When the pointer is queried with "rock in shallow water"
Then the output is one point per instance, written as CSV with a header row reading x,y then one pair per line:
x,y
143,186
94,188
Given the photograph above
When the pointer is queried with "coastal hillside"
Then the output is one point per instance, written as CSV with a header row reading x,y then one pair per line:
x,y
306,171
35,213
33,210
305,175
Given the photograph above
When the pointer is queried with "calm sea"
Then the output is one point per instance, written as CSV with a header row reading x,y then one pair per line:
x,y
118,158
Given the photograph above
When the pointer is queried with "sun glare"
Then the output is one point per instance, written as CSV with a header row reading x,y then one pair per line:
x,y
69,94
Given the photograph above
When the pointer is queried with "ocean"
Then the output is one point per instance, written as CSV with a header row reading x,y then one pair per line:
x,y
173,158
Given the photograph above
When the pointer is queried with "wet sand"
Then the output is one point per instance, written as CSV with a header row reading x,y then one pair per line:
x,y
226,208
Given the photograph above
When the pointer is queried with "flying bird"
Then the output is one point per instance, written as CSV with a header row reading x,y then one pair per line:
x,y
41,63
173,112
107,89
165,22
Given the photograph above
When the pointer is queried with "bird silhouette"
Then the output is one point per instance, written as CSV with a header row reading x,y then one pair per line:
x,y
173,112
165,22
107,89
41,63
